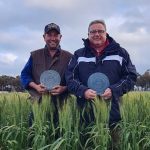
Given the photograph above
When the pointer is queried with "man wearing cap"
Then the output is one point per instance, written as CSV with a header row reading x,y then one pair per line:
x,y
51,57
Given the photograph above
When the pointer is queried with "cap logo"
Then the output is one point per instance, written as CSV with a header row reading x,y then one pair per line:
x,y
52,26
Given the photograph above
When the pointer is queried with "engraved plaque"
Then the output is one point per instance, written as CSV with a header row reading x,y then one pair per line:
x,y
98,82
50,78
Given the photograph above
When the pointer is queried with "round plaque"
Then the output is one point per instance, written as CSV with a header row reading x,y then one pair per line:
x,y
50,78
98,82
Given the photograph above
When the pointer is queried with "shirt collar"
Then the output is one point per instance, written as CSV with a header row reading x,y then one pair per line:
x,y
57,50
99,51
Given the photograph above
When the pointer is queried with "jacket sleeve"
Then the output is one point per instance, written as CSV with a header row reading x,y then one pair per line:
x,y
26,74
128,78
72,78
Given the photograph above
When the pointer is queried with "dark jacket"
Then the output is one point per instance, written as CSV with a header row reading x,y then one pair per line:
x,y
39,61
115,63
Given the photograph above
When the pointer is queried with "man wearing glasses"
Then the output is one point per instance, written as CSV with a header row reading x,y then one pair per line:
x,y
101,53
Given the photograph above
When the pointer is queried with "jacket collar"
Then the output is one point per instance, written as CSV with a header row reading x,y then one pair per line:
x,y
112,47
58,50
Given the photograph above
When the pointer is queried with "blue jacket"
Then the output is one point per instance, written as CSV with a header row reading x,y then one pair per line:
x,y
26,74
115,63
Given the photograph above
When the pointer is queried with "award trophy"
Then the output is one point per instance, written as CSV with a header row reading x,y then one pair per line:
x,y
50,78
98,82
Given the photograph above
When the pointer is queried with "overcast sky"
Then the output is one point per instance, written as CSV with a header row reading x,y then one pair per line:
x,y
22,23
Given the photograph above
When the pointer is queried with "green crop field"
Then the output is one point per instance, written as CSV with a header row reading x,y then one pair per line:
x,y
70,133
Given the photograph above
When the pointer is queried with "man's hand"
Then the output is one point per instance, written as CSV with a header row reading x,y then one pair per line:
x,y
41,88
107,94
90,94
58,90
38,87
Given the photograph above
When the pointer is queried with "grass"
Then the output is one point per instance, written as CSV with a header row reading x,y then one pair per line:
x,y
75,129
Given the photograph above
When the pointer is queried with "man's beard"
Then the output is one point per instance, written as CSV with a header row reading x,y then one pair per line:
x,y
53,48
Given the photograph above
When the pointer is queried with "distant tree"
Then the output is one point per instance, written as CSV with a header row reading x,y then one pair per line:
x,y
144,80
7,83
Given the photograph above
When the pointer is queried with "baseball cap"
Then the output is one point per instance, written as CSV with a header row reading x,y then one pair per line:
x,y
52,26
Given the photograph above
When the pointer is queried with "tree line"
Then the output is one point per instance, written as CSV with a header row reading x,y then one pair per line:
x,y
9,83
143,81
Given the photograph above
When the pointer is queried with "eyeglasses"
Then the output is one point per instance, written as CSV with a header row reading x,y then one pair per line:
x,y
97,31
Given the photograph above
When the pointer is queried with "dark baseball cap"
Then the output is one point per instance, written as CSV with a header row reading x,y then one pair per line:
x,y
52,26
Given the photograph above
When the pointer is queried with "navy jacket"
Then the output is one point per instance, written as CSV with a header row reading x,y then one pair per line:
x,y
115,63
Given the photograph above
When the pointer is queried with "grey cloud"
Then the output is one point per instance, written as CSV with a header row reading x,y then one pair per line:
x,y
136,15
22,26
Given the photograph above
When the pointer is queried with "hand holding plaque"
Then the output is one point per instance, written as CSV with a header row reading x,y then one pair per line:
x,y
50,78
98,82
